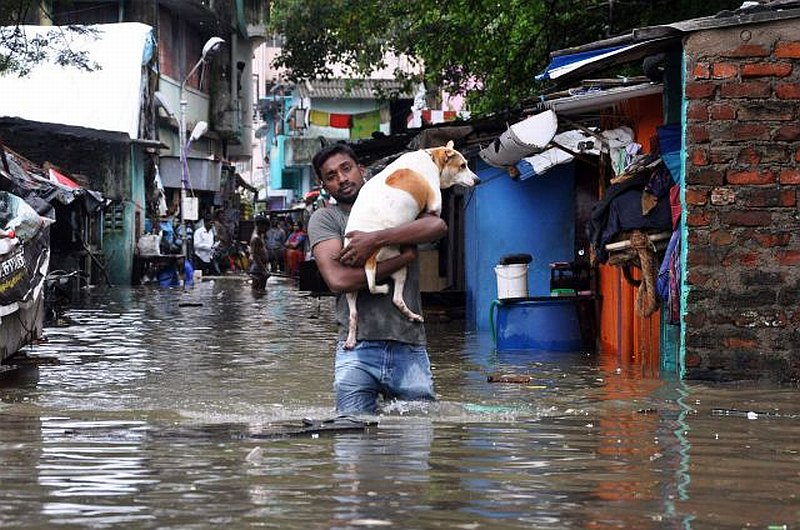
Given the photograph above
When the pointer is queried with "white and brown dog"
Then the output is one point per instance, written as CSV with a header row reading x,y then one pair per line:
x,y
408,186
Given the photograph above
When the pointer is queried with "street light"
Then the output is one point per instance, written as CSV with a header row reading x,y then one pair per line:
x,y
211,46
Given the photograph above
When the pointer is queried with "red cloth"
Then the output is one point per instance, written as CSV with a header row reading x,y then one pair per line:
x,y
64,180
341,121
675,205
294,258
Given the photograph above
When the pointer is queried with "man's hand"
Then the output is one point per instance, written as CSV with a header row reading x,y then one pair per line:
x,y
362,245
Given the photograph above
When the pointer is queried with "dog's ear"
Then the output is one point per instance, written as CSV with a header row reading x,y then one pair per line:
x,y
449,145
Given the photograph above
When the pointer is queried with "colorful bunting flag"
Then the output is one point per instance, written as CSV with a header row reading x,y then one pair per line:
x,y
365,124
341,121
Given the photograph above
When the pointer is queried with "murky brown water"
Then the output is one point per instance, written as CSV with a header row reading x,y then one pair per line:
x,y
147,422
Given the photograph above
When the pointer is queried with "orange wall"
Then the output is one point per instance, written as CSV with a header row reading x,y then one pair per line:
x,y
623,333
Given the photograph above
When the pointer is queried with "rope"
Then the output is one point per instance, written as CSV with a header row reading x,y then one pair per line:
x,y
646,299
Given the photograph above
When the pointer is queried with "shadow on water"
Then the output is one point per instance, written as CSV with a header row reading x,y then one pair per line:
x,y
160,409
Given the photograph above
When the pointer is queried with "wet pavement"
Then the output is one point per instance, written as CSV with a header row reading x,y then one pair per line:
x,y
155,409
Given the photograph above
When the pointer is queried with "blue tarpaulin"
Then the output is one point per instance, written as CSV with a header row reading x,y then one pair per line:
x,y
565,63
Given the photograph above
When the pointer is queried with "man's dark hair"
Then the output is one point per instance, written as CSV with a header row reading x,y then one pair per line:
x,y
328,151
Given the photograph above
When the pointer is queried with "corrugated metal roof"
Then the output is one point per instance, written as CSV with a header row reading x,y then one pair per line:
x,y
641,42
353,89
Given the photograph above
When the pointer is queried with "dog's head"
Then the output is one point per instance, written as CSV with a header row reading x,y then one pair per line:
x,y
453,169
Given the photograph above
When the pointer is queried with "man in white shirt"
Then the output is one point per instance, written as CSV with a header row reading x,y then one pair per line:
x,y
204,245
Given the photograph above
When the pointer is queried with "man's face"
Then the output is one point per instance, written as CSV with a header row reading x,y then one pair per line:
x,y
342,178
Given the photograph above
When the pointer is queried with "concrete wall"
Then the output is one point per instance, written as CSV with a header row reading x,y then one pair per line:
x,y
742,89
505,216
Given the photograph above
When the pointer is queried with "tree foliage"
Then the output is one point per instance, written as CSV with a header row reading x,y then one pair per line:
x,y
19,52
489,51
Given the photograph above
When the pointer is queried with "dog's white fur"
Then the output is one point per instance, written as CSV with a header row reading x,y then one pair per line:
x,y
395,196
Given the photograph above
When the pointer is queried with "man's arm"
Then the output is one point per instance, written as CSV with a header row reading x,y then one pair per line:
x,y
342,278
424,229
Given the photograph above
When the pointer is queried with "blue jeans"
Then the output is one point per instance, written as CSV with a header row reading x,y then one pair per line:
x,y
393,369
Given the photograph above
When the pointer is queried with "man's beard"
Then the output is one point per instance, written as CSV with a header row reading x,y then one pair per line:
x,y
347,199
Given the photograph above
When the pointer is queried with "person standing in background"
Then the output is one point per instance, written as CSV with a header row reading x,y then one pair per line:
x,y
295,249
259,259
204,246
274,239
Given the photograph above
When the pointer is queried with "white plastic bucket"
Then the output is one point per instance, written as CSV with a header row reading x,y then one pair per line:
x,y
512,280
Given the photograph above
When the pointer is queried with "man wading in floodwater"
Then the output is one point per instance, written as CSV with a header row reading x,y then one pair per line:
x,y
390,358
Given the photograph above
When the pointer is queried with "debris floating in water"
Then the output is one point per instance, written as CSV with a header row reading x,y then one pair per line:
x,y
509,378
255,456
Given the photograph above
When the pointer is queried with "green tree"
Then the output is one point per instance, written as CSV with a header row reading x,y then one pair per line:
x,y
487,50
20,52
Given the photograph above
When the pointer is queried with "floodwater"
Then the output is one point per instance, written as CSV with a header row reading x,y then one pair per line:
x,y
157,409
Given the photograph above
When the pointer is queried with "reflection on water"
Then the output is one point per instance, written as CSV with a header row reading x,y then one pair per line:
x,y
146,421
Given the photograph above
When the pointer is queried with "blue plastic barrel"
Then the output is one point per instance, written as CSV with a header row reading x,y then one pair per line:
x,y
542,323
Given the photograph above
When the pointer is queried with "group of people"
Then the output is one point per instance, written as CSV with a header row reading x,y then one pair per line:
x,y
209,245
273,251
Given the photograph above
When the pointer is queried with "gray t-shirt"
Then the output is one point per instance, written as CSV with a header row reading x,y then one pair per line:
x,y
378,318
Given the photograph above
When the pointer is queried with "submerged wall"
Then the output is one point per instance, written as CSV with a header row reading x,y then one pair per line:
x,y
743,148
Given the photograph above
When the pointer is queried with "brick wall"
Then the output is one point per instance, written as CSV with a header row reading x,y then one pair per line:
x,y
743,147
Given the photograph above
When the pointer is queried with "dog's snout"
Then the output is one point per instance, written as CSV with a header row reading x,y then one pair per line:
x,y
476,180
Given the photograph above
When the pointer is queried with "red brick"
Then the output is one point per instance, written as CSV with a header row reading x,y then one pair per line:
x,y
698,219
788,198
699,157
770,197
772,239
721,238
788,257
748,155
788,49
782,69
699,90
705,177
747,218
765,111
788,133
698,133
750,177
697,111
790,176
723,70
696,197
741,259
740,343
722,112
700,256
701,71
787,90
748,89
747,50
746,131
